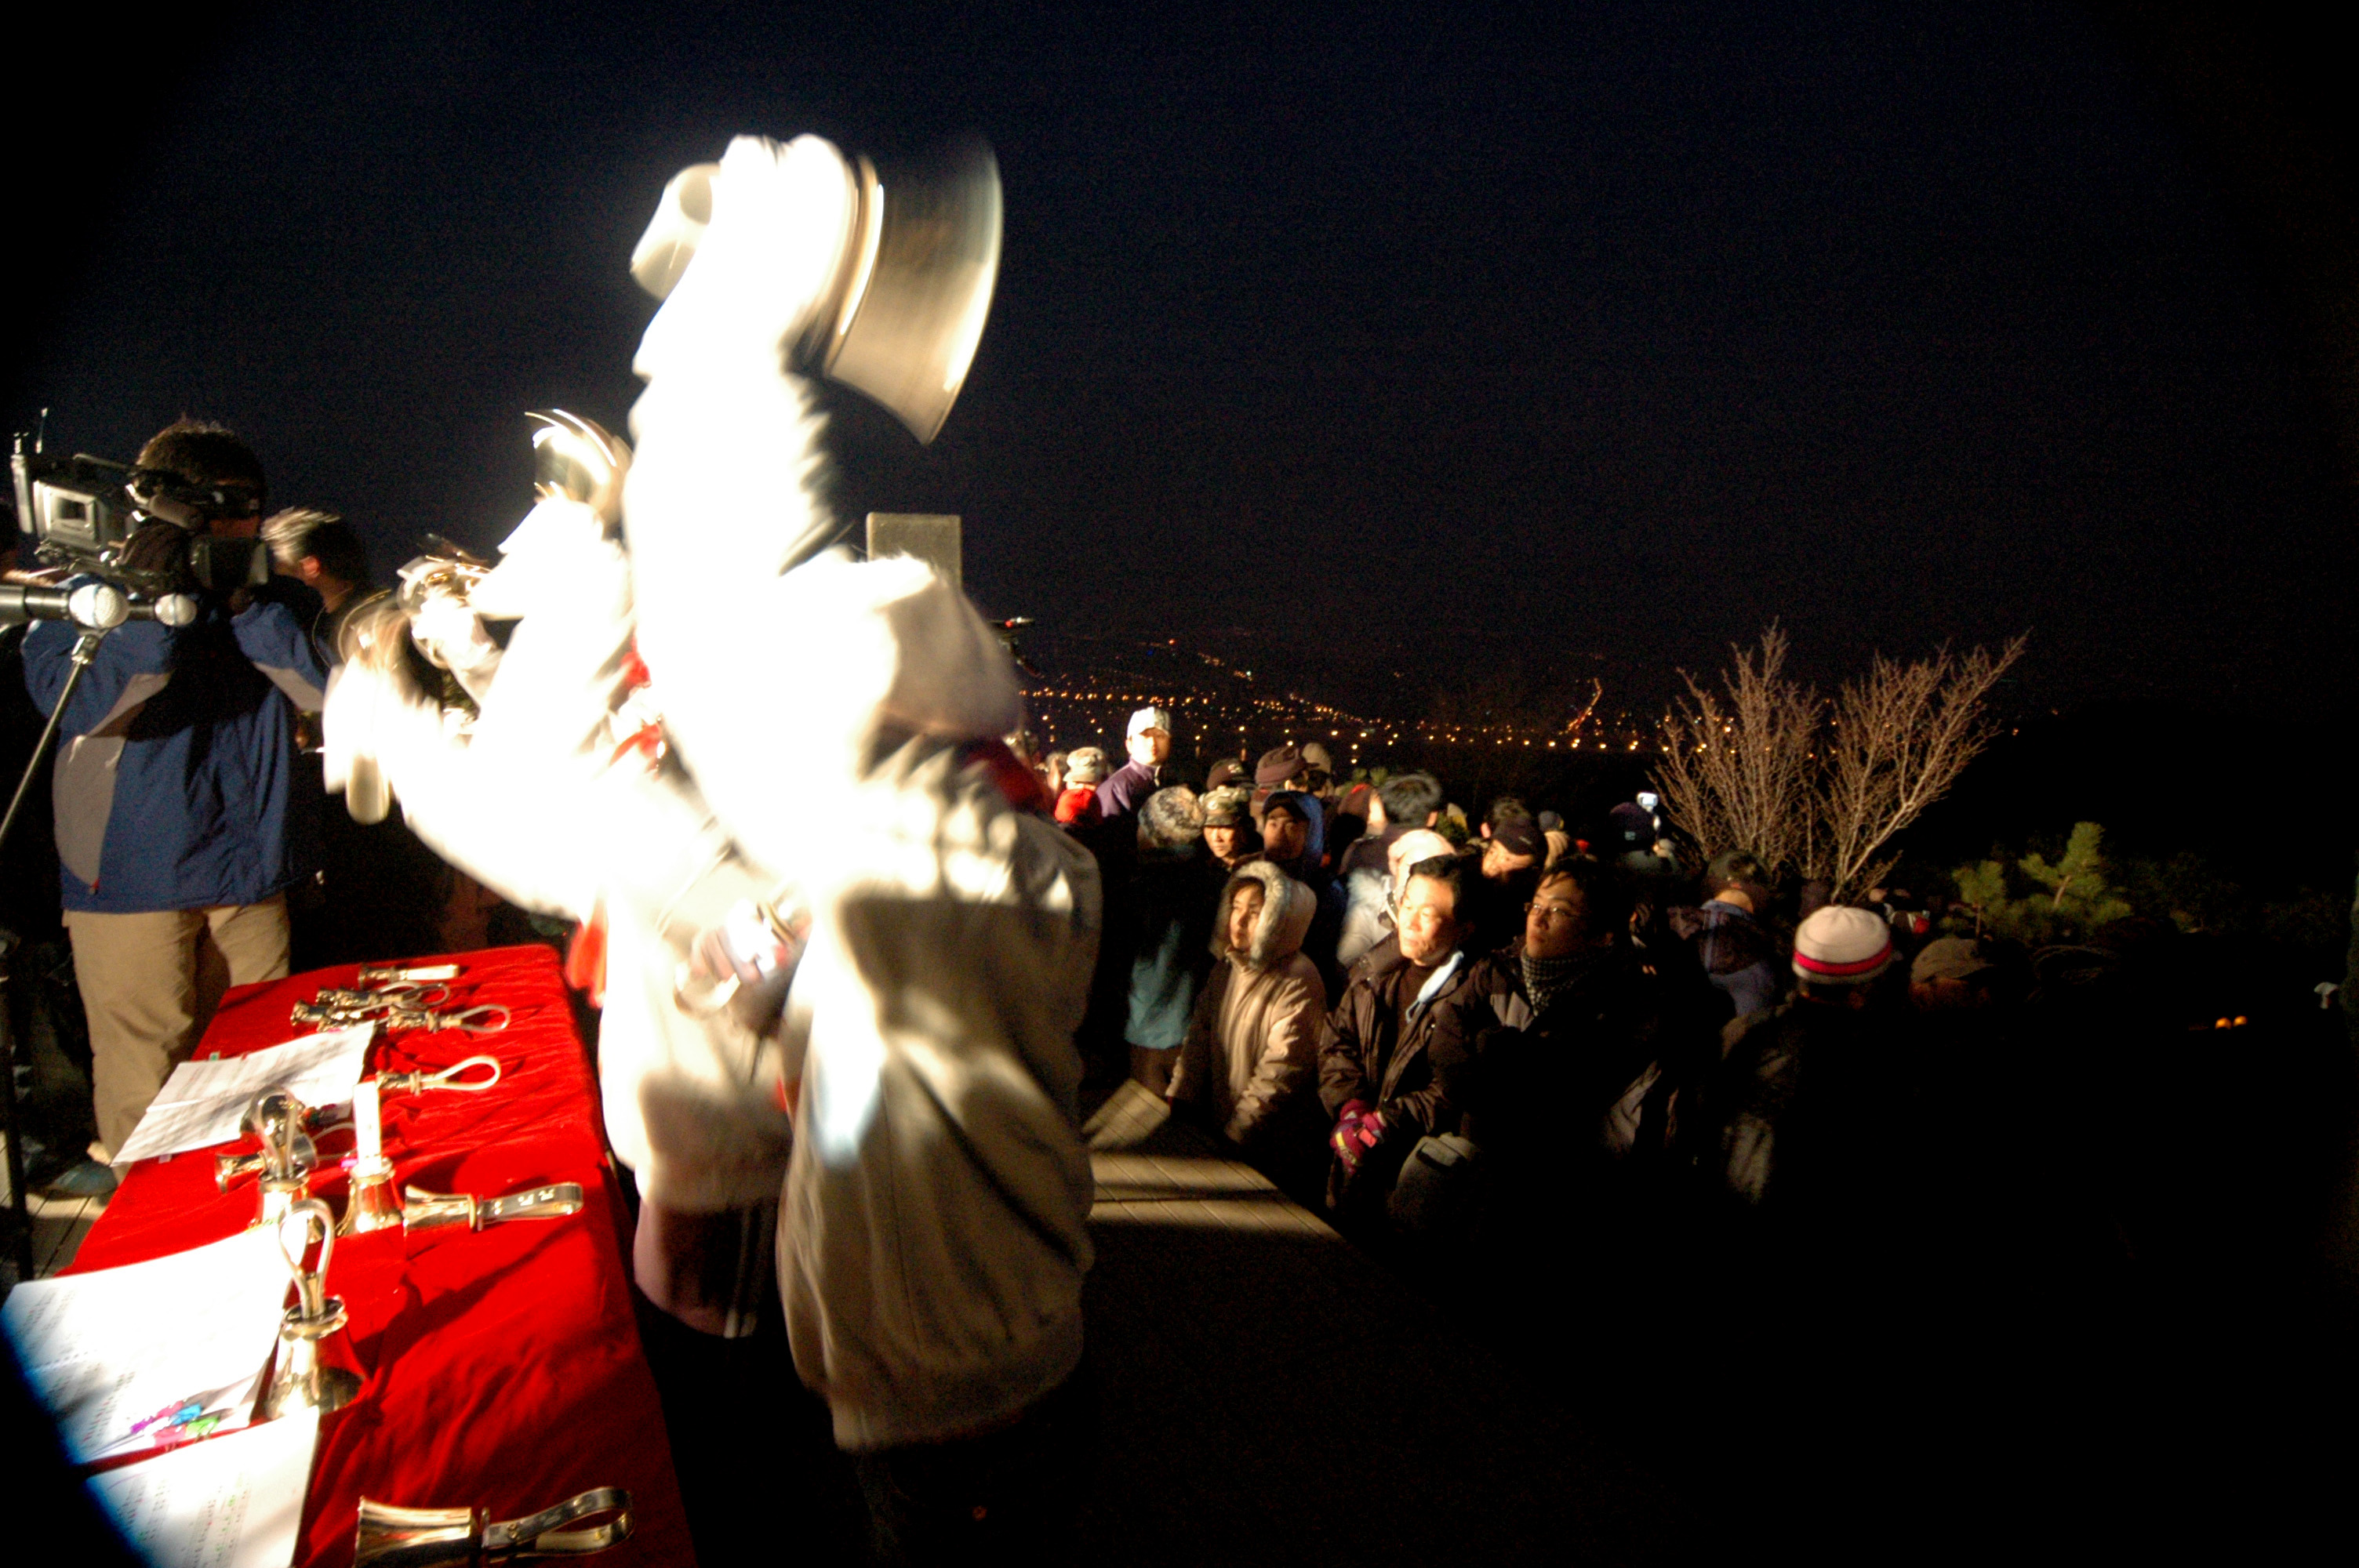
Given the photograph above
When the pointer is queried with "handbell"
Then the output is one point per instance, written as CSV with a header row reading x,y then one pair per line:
x,y
391,1537
303,1381
902,316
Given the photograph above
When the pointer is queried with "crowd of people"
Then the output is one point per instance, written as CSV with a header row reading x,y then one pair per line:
x,y
1555,1072
1589,1089
1418,1021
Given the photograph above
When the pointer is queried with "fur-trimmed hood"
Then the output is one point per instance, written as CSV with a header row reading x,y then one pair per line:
x,y
1287,909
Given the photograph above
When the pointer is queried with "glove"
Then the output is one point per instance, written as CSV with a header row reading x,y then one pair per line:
x,y
1357,1130
160,551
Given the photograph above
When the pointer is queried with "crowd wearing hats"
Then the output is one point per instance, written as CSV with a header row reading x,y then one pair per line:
x,y
1507,1005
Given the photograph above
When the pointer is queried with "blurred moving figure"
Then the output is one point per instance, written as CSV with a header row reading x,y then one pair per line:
x,y
824,810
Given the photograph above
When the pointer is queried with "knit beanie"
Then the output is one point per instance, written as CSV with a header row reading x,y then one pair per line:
x,y
1842,946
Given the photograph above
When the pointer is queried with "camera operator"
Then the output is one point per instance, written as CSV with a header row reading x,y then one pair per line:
x,y
178,825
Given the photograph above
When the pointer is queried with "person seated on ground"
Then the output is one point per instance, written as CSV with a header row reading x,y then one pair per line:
x,y
1077,806
1512,847
1229,837
1401,802
1373,899
1377,1073
1250,1057
1172,903
1733,948
1148,739
1563,1087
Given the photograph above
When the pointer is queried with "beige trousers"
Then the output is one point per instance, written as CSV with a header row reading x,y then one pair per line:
x,y
149,984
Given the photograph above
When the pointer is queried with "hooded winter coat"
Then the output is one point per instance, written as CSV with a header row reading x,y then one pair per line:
x,y
1251,1051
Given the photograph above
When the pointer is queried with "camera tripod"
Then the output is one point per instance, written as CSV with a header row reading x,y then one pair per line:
x,y
85,650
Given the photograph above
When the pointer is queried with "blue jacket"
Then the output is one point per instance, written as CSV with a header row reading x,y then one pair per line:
x,y
176,782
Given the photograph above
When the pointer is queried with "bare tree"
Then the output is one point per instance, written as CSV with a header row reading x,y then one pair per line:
x,y
1737,772
1902,736
1761,769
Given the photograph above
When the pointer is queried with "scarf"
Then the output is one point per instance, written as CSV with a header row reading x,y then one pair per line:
x,y
1544,978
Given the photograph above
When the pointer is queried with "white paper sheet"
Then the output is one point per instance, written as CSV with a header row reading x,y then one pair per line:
x,y
227,1502
204,1103
117,1354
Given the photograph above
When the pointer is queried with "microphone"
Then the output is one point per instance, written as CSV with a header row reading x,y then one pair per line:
x,y
94,606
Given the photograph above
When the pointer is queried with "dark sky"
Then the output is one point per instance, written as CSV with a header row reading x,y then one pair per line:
x,y
1614,333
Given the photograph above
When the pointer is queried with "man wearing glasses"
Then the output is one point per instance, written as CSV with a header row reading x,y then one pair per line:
x,y
179,825
1566,1030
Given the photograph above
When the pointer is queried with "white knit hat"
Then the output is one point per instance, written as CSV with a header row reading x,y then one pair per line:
x,y
1841,946
1148,718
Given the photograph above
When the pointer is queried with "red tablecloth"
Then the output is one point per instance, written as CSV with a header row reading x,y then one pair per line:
x,y
502,1368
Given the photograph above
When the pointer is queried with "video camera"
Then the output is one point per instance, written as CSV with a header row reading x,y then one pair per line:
x,y
81,511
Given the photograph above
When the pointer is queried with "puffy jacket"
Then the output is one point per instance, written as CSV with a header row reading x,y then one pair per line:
x,y
1573,1078
1381,1046
1251,1053
175,784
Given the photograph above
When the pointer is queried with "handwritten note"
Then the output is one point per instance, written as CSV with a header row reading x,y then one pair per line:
x,y
204,1103
227,1502
129,1359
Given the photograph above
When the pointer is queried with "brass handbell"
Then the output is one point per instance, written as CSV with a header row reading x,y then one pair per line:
x,y
285,1163
902,316
391,1537
303,1381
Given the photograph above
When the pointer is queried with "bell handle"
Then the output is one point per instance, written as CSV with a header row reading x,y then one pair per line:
x,y
310,1284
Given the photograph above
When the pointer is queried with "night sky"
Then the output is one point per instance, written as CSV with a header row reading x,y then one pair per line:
x,y
1593,340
